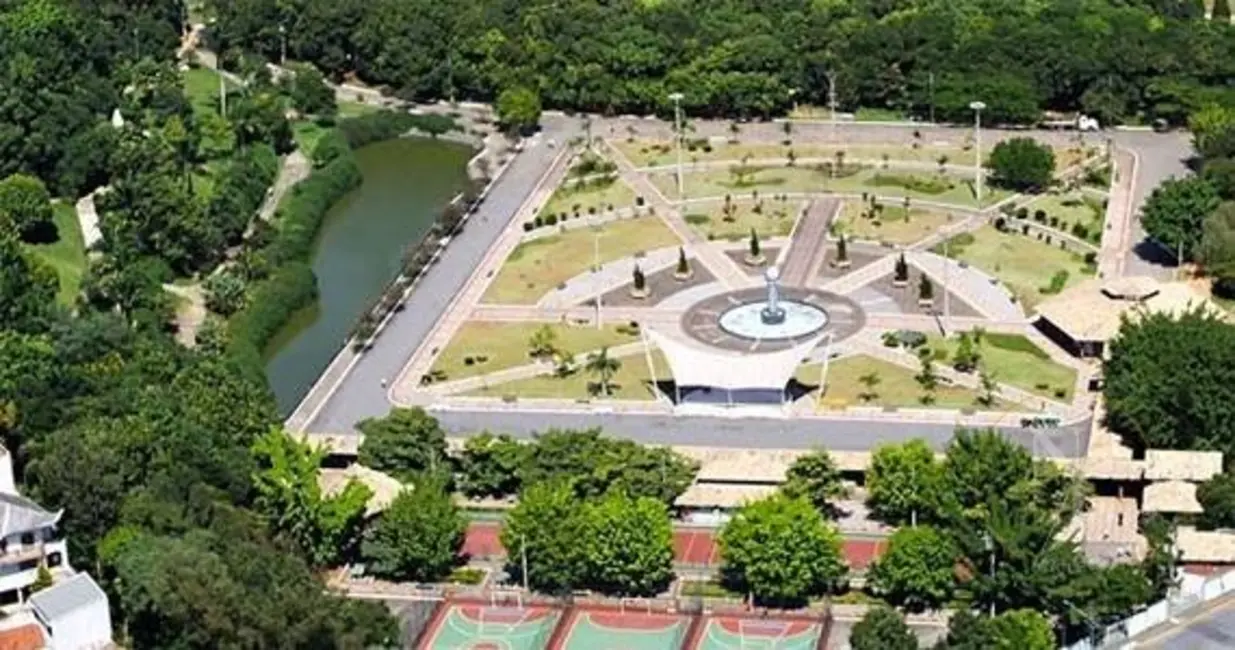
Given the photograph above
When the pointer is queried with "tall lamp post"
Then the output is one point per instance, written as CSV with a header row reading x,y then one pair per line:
x,y
977,107
676,98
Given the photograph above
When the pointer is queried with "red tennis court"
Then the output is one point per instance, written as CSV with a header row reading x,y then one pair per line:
x,y
482,540
695,546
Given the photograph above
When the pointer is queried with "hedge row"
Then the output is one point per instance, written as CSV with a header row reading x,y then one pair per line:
x,y
291,284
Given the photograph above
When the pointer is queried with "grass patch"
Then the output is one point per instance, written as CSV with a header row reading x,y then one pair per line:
x,y
538,266
656,153
577,198
1066,211
355,109
705,589
307,133
896,388
1017,361
494,346
1022,262
631,382
201,86
768,217
712,183
67,255
466,576
894,224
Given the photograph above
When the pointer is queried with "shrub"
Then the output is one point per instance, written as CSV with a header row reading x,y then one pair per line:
x,y
1023,213
1091,258
924,184
551,220
224,293
1054,222
1039,215
1057,282
1000,224
528,226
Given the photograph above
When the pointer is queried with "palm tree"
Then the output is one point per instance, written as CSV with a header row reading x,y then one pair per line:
x,y
840,161
604,367
943,163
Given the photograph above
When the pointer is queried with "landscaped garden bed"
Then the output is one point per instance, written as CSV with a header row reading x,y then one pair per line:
x,y
1015,360
1031,268
482,347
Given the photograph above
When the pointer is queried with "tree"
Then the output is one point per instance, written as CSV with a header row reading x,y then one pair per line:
x,y
927,377
545,530
518,110
755,251
1014,630
593,465
225,293
258,117
882,628
902,482
1213,131
815,477
640,282
1220,172
1175,211
989,385
27,287
604,367
683,267
25,205
917,571
489,466
967,356
628,545
1170,382
325,529
1217,497
542,343
902,269
404,443
418,536
1217,248
1022,164
308,91
781,551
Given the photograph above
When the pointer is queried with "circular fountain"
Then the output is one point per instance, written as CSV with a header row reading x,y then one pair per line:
x,y
773,318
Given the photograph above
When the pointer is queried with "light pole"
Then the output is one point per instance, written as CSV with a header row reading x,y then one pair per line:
x,y
596,275
977,107
793,98
832,101
990,548
676,98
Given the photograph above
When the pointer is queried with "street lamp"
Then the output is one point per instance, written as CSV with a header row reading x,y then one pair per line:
x,y
977,107
793,97
676,98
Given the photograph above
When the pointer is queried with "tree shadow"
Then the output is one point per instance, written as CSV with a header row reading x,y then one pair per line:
x,y
44,232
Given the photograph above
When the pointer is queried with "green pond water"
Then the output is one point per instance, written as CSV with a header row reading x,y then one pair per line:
x,y
358,251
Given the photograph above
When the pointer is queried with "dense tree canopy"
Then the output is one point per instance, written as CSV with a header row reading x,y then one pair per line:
x,y
1175,211
816,478
1217,497
418,536
902,482
917,571
403,443
743,58
1170,382
25,204
882,628
1022,164
781,551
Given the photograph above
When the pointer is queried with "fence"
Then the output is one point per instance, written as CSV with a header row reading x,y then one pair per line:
x,y
1192,592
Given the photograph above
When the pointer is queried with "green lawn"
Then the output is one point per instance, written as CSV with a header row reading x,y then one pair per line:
x,y
355,109
574,198
1016,361
768,217
494,346
538,266
307,133
631,382
1022,262
67,255
896,388
930,186
201,85
1072,208
893,225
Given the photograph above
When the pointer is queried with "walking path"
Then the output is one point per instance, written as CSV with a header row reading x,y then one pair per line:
x,y
808,244
88,219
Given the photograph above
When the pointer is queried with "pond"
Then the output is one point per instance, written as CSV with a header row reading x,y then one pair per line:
x,y
407,182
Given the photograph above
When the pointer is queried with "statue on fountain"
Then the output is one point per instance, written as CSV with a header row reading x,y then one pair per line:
x,y
772,313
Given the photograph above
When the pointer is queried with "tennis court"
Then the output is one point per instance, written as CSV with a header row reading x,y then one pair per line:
x,y
733,633
594,630
481,627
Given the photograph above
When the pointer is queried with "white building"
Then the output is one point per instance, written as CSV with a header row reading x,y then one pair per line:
x,y
74,614
28,538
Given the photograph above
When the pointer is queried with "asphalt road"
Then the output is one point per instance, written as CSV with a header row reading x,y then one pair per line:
x,y
1211,628
361,394
755,432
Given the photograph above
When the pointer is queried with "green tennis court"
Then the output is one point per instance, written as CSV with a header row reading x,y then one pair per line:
x,y
614,631
758,634
475,627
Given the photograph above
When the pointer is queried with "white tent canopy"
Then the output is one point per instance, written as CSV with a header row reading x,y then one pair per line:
x,y
695,365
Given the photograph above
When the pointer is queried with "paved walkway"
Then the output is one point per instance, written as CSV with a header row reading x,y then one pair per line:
x,y
88,219
975,287
609,276
809,244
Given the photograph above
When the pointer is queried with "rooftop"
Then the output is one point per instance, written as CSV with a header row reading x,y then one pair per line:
x,y
1094,309
384,486
21,515
1170,496
66,597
